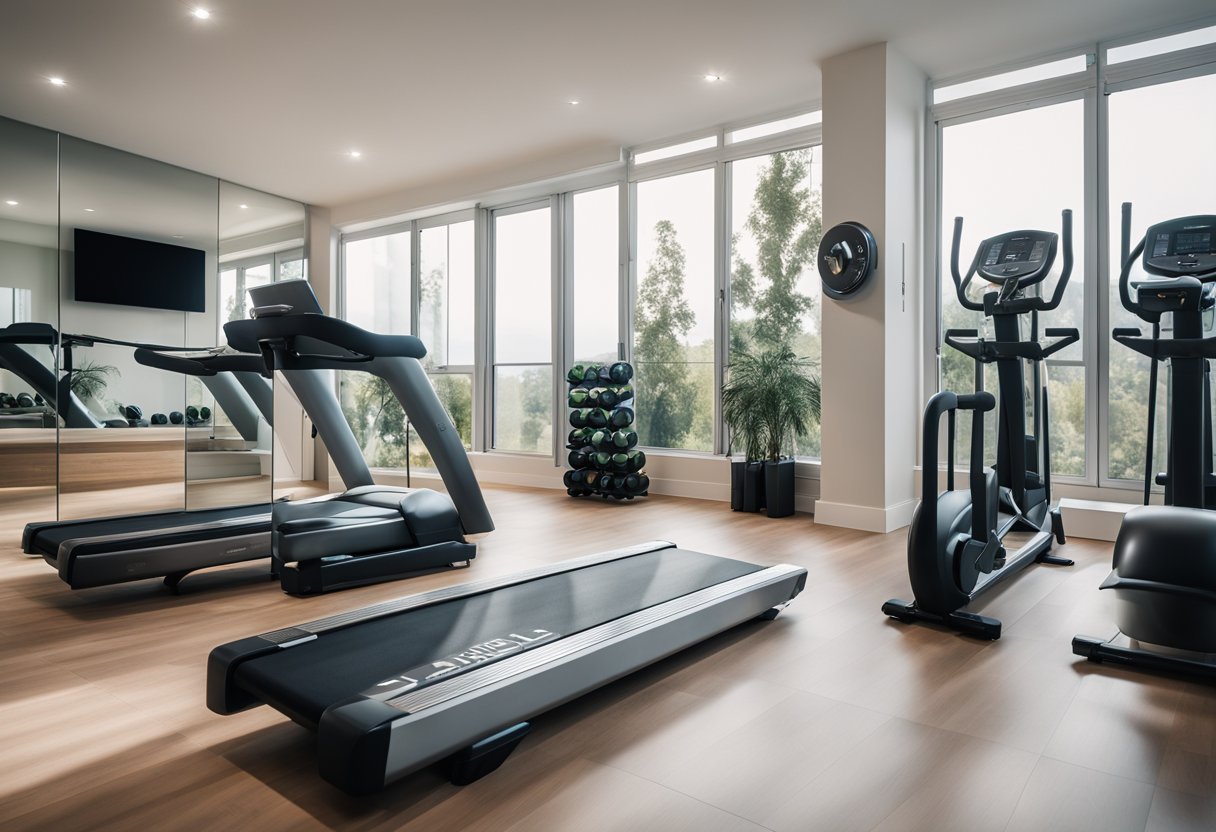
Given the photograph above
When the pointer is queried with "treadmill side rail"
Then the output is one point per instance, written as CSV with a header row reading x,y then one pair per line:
x,y
451,715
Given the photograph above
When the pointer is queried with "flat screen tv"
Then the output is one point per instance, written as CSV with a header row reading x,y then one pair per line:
x,y
130,272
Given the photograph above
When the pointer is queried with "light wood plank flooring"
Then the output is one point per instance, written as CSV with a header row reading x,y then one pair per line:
x,y
829,718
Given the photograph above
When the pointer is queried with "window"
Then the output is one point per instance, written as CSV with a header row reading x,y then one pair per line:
x,y
446,255
673,150
673,316
523,329
975,155
1160,46
1164,173
236,278
595,282
776,224
376,296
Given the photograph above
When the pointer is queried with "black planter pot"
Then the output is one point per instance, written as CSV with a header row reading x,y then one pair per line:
x,y
736,484
753,486
779,487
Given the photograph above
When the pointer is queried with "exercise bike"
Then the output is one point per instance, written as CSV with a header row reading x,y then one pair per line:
x,y
1164,563
956,547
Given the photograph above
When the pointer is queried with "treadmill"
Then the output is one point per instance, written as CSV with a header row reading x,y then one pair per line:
x,y
455,674
19,362
171,544
368,533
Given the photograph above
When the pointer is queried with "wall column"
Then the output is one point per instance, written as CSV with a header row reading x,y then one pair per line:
x,y
873,130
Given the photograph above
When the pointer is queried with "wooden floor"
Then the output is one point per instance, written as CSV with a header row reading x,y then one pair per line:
x,y
829,718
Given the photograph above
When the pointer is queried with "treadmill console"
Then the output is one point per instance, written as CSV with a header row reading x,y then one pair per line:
x,y
1182,247
1024,255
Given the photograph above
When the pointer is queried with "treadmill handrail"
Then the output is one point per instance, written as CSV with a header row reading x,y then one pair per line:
x,y
252,335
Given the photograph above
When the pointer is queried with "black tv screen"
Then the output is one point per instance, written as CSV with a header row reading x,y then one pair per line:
x,y
130,272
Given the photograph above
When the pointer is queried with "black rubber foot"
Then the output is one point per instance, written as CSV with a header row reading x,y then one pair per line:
x,y
1055,560
1100,651
769,615
484,756
967,623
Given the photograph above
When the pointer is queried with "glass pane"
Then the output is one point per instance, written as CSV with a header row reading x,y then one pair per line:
x,y
461,256
376,417
1135,176
1027,75
777,221
1160,46
377,283
672,150
523,408
456,394
258,275
1054,138
673,342
770,128
291,269
523,305
596,275
445,316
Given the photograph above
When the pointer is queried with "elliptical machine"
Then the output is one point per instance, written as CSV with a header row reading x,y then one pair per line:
x,y
1164,563
955,544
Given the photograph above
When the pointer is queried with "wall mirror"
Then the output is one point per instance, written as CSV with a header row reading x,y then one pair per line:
x,y
29,316
128,451
230,456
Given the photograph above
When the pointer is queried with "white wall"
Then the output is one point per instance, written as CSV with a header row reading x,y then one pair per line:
x,y
873,117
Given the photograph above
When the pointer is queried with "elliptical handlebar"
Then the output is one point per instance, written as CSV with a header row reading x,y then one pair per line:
x,y
1017,305
961,283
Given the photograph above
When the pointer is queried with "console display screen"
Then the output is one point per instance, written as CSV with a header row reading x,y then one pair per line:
x,y
1193,242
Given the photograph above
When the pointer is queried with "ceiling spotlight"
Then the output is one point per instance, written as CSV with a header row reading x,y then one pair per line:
x,y
56,81
200,13
573,102
711,78
243,206
90,210
178,236
355,154
11,202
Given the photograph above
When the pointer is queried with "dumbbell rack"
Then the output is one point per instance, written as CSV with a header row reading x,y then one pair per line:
x,y
603,458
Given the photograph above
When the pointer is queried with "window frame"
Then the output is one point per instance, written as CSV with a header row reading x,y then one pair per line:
x,y
1094,87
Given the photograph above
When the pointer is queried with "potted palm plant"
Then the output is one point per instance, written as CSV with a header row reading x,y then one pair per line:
x,y
769,400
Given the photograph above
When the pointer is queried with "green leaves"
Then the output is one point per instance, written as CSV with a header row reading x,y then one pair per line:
x,y
770,399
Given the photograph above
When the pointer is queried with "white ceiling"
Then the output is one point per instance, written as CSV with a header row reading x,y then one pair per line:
x,y
273,93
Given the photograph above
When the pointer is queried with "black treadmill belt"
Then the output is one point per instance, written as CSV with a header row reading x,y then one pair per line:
x,y
47,540
302,681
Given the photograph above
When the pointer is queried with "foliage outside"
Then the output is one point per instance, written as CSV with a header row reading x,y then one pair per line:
x,y
772,319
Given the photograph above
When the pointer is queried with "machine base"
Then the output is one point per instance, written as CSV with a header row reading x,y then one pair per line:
x,y
1100,651
313,577
967,623
484,756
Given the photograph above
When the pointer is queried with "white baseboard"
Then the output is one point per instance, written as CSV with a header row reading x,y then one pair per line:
x,y
1092,519
864,518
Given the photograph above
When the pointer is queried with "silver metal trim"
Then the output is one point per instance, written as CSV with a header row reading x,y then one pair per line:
x,y
415,701
449,593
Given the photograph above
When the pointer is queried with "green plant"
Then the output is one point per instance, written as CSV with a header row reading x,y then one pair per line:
x,y
770,399
89,380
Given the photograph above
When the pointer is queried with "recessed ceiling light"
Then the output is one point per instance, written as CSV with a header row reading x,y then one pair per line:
x,y
355,154
573,102
711,77
243,206
177,236
200,13
56,81
11,202
90,210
